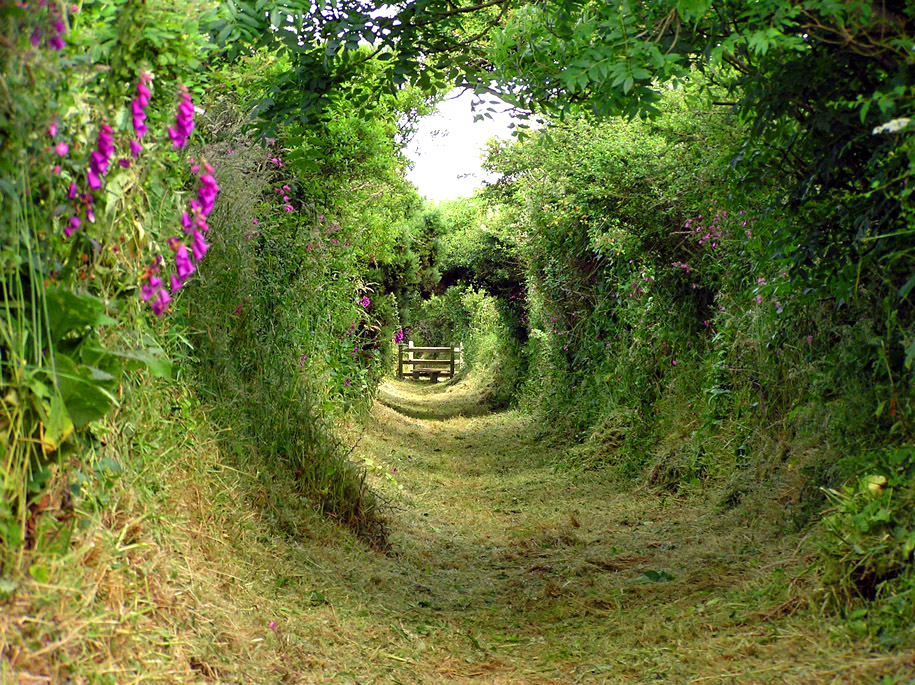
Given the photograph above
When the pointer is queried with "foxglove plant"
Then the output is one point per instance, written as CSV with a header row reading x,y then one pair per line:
x,y
184,120
138,109
195,225
100,157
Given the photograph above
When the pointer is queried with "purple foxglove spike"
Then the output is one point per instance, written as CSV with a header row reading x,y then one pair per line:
x,y
198,246
183,264
176,137
161,303
135,147
71,191
93,179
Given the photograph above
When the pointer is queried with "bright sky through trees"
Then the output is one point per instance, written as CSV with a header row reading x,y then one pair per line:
x,y
447,148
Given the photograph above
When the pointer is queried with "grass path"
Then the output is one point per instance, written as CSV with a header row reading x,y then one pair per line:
x,y
501,569
505,570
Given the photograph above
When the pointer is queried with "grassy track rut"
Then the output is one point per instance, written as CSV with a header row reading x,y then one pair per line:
x,y
506,570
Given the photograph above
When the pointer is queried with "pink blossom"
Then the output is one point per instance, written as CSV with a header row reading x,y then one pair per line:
x,y
61,149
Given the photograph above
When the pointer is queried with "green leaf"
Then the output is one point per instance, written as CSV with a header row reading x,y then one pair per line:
x,y
85,396
40,573
909,355
150,359
58,427
69,312
640,74
907,287
658,576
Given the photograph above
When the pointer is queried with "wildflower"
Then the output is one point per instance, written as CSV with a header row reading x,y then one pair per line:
x,y
72,225
288,208
286,188
52,129
138,112
198,246
238,309
135,148
809,339
272,625
124,163
71,191
347,382
673,363
150,288
207,193
365,302
183,264
759,299
255,222
161,302
302,360
184,120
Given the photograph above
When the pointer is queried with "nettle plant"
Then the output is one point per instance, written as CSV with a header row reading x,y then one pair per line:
x,y
72,172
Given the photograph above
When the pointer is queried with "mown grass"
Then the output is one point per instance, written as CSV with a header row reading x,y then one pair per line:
x,y
501,569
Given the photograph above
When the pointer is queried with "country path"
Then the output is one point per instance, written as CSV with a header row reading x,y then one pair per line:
x,y
505,569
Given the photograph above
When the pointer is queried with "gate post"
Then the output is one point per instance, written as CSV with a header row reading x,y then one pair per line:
x,y
452,360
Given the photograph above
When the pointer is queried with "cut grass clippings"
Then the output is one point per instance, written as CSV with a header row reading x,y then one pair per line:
x,y
501,569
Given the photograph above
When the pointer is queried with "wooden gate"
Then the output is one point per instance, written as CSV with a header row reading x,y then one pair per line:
x,y
442,361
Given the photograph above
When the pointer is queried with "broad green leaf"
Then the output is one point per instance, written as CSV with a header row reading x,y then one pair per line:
x,y
58,427
68,312
86,397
